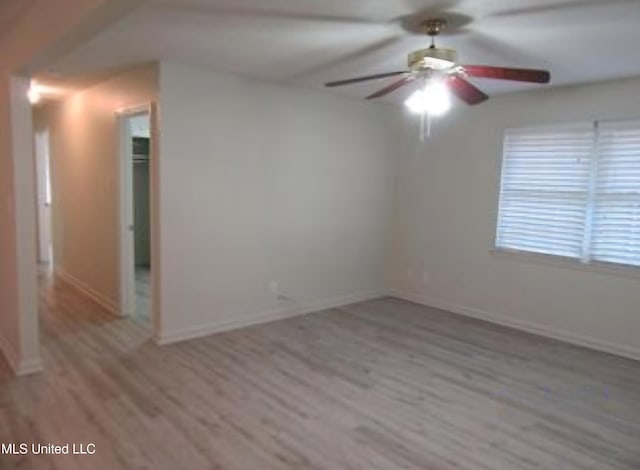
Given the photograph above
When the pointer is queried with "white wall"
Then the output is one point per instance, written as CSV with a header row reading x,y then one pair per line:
x,y
261,183
9,311
84,139
445,222
18,295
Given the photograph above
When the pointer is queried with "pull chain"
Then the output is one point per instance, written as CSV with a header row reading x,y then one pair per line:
x,y
425,126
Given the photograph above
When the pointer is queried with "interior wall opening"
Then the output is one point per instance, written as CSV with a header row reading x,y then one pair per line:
x,y
44,198
136,194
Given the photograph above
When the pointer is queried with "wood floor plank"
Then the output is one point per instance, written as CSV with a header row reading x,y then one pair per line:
x,y
378,385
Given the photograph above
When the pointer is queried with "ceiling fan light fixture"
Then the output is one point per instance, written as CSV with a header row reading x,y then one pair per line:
x,y
434,99
438,68
416,103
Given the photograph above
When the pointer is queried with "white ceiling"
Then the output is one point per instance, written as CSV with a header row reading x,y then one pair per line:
x,y
10,12
309,42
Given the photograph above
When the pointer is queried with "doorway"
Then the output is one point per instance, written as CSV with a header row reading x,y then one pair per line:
x,y
136,190
43,184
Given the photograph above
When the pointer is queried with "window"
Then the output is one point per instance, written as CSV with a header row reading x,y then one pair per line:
x,y
572,191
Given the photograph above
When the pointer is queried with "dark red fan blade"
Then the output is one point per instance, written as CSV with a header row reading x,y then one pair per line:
x,y
504,73
363,79
466,91
393,87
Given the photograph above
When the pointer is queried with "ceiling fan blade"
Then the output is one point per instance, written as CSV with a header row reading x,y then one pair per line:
x,y
466,91
561,7
389,88
349,81
505,73
367,53
272,13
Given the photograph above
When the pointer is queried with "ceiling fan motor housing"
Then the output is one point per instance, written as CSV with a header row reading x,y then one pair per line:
x,y
435,58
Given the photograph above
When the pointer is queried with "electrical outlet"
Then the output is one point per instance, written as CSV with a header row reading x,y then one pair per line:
x,y
273,288
277,294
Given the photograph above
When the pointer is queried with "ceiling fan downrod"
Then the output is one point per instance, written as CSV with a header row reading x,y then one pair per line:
x,y
433,27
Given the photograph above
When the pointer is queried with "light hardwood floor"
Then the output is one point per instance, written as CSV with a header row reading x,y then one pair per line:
x,y
384,384
143,293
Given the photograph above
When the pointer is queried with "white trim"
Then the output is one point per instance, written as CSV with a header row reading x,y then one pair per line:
x,y
30,366
126,251
127,295
19,367
523,325
596,267
133,110
88,291
277,313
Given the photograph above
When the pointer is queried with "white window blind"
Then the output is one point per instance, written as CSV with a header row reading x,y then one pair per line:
x,y
616,218
545,186
572,191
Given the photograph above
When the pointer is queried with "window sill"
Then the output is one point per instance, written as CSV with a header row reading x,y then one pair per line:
x,y
567,263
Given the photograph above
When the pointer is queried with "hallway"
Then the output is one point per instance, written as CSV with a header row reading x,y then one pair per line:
x,y
85,352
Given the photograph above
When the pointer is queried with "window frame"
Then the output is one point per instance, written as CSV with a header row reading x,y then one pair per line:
x,y
583,263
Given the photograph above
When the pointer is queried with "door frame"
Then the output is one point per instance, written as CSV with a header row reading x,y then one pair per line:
x,y
43,188
127,301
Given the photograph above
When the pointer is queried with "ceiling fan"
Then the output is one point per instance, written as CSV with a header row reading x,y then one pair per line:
x,y
439,71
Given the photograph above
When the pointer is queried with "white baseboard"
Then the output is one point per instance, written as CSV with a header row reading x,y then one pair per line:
x,y
559,334
29,366
88,291
270,315
19,366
